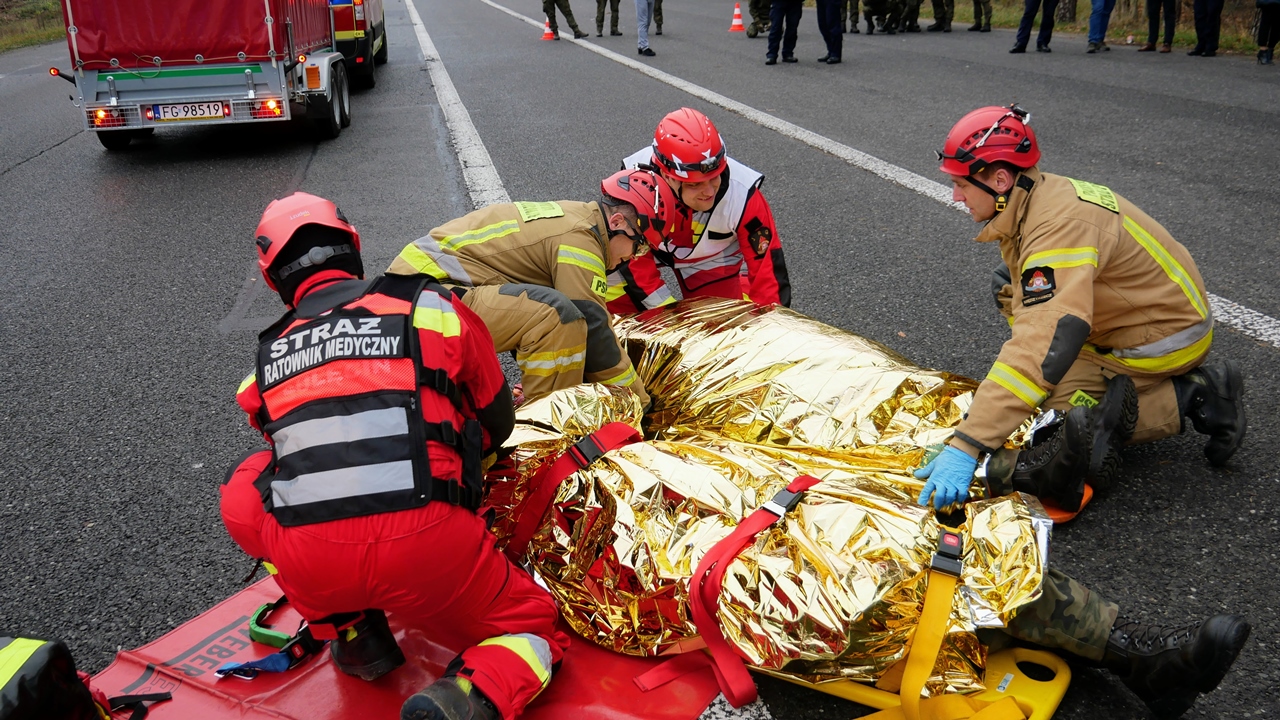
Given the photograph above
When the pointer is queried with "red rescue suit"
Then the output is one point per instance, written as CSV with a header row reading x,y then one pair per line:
x,y
379,400
730,251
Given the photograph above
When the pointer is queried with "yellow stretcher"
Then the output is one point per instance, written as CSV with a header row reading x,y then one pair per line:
x,y
1010,695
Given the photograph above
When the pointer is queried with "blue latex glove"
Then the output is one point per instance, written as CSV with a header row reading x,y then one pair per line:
x,y
950,475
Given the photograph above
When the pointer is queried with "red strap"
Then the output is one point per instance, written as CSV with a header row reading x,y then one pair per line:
x,y
543,485
731,672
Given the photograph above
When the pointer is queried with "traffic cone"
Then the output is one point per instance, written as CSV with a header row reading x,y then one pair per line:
x,y
737,19
546,31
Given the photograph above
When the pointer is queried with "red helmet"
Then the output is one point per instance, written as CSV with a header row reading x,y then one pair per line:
x,y
687,147
652,198
988,135
283,217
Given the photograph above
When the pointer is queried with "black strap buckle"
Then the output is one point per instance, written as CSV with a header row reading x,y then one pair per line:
x,y
784,502
950,551
586,451
448,435
303,645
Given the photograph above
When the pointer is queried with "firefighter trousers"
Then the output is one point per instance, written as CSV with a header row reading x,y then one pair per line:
x,y
558,342
433,567
1158,414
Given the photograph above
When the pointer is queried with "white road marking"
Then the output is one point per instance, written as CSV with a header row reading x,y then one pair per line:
x,y
1250,322
481,176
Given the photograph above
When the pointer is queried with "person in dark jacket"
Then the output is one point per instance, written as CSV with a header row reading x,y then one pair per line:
x,y
1268,30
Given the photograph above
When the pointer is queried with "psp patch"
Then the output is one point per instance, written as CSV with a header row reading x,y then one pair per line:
x,y
760,237
1037,285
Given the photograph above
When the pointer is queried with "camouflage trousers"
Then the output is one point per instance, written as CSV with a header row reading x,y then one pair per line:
x,y
849,9
759,10
981,12
890,10
1068,616
549,7
944,11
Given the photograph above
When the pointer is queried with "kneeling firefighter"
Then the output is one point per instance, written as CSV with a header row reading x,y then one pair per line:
x,y
379,399
1110,318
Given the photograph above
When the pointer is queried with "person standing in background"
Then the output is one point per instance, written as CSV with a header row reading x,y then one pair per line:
x,y
1153,24
1208,14
849,14
549,7
943,12
1268,30
657,16
788,12
1030,8
613,26
1099,19
644,12
831,29
981,16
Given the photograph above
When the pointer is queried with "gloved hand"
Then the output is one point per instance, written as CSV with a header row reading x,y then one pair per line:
x,y
950,475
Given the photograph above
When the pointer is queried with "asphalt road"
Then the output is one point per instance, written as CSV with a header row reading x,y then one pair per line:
x,y
132,309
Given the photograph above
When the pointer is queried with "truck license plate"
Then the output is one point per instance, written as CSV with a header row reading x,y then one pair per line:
x,y
189,111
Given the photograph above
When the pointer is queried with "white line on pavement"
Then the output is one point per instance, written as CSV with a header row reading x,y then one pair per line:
x,y
1250,322
481,176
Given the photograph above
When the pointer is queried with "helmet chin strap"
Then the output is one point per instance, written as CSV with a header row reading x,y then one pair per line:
x,y
1002,199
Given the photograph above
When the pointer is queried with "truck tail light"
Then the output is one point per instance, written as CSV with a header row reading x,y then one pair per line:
x,y
106,118
359,9
270,108
150,113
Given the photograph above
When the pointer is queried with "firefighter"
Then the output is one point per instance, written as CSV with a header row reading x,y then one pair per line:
x,y
725,243
535,273
380,399
1110,323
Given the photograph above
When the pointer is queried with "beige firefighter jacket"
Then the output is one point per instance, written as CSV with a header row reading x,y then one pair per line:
x,y
1093,277
560,245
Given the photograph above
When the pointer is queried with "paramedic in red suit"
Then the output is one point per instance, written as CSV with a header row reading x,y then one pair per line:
x,y
380,398
725,244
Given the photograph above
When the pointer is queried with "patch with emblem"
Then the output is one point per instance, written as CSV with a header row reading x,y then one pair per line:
x,y
759,236
1081,398
599,286
1099,195
1037,285
530,211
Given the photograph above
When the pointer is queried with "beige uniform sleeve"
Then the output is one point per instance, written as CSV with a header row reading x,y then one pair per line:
x,y
579,274
1052,309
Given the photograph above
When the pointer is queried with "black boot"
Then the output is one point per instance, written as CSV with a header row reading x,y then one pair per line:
x,y
1113,422
1168,667
368,649
1212,395
447,699
1054,468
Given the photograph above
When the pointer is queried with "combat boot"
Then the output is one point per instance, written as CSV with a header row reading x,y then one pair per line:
x,y
449,698
1167,667
368,649
1113,421
1053,468
1212,395
935,27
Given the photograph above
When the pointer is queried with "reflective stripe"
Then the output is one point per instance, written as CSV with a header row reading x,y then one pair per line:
x,y
343,483
1063,258
425,256
479,235
553,363
614,292
570,255
1178,341
249,379
1164,363
16,654
623,380
1017,383
387,422
658,298
1166,261
532,649
433,313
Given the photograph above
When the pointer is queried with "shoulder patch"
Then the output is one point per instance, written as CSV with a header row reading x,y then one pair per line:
x,y
530,211
1099,195
1037,285
599,286
760,237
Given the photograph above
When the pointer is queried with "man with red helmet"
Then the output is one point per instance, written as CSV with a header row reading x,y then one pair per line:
x,y
1110,322
725,243
535,273
380,400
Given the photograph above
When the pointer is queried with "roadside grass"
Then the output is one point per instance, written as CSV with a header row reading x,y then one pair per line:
x,y
29,22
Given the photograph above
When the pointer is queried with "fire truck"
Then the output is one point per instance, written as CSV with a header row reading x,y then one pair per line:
x,y
360,27
142,64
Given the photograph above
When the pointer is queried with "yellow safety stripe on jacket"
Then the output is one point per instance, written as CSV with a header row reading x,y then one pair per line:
x,y
250,379
570,255
479,235
614,292
1173,360
1063,258
421,262
554,362
16,654
438,320
626,378
1017,383
1166,261
524,646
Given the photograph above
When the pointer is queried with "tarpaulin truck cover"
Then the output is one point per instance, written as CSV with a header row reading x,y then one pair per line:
x,y
151,33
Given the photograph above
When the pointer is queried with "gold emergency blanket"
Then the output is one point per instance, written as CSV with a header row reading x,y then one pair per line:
x,y
746,399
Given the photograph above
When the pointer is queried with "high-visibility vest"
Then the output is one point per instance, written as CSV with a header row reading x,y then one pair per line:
x,y
342,404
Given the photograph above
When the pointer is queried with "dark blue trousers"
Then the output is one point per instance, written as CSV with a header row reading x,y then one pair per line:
x,y
1029,17
830,25
1208,14
790,12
